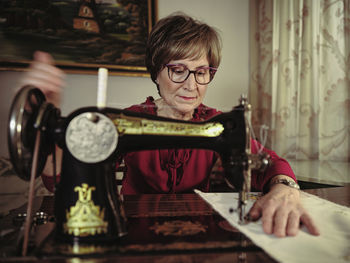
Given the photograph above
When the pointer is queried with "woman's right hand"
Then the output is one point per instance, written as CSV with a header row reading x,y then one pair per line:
x,y
44,75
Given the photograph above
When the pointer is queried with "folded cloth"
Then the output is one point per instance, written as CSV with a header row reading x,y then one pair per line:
x,y
333,220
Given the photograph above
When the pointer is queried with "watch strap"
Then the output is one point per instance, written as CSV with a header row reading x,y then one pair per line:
x,y
288,182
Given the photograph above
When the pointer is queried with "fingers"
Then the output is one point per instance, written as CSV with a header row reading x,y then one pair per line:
x,y
255,212
280,222
43,57
310,225
293,224
44,75
265,211
43,64
281,216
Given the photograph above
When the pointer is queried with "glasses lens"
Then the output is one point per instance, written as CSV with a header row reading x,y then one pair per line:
x,y
203,75
178,73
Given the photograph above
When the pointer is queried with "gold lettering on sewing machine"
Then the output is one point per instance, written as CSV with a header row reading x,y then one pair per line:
x,y
135,125
85,218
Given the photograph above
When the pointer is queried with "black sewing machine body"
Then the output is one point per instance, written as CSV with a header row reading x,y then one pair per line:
x,y
87,205
99,175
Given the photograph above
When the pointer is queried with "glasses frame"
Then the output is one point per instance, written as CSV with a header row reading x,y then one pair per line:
x,y
211,72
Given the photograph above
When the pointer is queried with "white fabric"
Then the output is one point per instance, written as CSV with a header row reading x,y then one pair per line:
x,y
333,245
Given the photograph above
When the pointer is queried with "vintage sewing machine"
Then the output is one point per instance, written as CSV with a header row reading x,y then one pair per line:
x,y
87,206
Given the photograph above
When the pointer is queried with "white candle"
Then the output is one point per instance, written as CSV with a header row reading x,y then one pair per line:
x,y
102,87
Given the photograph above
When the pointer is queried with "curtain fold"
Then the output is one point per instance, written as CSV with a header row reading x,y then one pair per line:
x,y
300,76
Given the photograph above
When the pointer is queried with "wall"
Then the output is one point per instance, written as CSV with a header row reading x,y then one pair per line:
x,y
231,80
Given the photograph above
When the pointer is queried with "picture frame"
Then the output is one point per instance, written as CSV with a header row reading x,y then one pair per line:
x,y
81,35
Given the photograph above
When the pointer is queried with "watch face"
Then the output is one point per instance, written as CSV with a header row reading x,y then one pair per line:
x,y
292,184
289,183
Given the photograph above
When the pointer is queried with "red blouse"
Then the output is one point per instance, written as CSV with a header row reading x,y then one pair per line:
x,y
181,170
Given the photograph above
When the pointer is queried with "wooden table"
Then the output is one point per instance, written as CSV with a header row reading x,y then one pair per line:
x,y
161,228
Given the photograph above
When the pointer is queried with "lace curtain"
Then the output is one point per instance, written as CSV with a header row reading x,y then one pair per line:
x,y
300,76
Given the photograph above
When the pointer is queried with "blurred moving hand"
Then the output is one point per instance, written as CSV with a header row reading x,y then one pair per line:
x,y
44,75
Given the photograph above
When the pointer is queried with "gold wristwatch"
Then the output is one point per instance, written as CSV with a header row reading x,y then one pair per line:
x,y
287,182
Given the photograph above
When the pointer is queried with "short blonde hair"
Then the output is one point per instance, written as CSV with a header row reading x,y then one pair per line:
x,y
179,36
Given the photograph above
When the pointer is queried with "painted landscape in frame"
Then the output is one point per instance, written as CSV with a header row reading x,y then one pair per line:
x,y
82,35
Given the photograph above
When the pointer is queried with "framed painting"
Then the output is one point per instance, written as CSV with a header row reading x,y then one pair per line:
x,y
82,35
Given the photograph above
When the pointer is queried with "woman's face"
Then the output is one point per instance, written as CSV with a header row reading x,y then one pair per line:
x,y
182,98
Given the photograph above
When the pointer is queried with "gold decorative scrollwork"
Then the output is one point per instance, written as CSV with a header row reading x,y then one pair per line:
x,y
135,125
85,218
178,228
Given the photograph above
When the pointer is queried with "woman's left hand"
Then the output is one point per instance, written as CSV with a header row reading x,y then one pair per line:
x,y
281,212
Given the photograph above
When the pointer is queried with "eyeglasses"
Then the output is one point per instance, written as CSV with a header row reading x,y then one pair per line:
x,y
179,73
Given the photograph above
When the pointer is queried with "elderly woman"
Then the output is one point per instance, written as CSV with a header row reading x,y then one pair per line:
x,y
182,57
